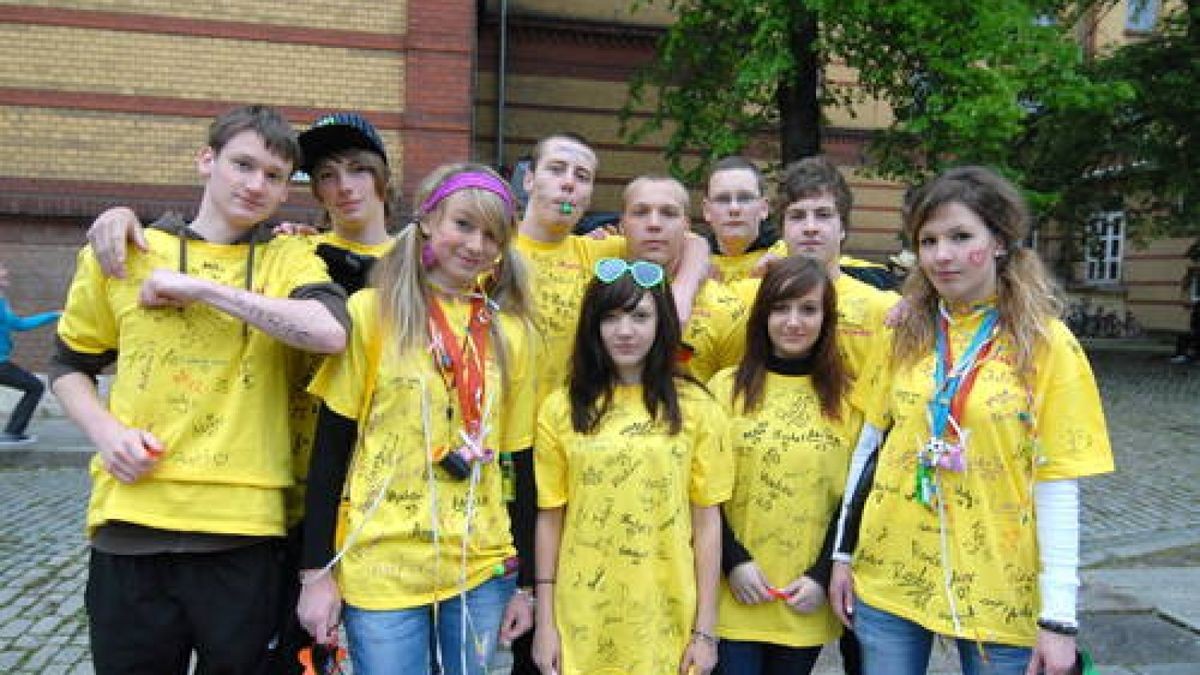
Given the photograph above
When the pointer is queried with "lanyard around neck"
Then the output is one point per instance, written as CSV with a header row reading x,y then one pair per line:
x,y
952,381
465,363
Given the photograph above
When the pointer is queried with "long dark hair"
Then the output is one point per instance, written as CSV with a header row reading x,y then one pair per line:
x,y
786,279
593,373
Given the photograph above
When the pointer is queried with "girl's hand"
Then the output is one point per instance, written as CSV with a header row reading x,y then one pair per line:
x,y
841,593
1053,654
804,595
699,658
518,616
547,648
748,584
320,606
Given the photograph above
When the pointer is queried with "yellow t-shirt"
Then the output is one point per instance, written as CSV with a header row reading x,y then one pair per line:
x,y
625,599
791,464
212,388
990,522
395,563
716,331
734,268
303,365
559,274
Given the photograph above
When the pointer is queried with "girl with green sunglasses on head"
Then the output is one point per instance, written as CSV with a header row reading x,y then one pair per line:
x,y
632,466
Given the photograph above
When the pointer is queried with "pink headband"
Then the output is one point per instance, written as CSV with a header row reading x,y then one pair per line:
x,y
469,179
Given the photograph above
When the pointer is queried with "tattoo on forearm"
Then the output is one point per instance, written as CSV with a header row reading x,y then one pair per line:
x,y
282,328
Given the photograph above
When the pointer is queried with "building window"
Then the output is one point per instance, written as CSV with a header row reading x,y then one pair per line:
x,y
1194,286
1104,248
1141,15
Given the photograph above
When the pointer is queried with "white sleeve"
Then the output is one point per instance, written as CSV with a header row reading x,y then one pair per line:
x,y
1057,509
868,441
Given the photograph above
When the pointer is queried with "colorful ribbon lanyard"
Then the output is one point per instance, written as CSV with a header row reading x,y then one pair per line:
x,y
952,384
467,365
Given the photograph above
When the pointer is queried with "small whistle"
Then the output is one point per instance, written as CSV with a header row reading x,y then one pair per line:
x,y
566,208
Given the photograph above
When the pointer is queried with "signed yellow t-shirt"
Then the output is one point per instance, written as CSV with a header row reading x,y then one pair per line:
x,y
212,388
395,562
625,597
734,268
791,464
991,553
716,331
559,274
304,406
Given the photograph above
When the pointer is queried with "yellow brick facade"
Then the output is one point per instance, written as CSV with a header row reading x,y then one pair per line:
x,y
356,15
85,145
205,68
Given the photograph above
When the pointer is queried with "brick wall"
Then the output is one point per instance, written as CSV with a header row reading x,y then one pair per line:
x,y
107,102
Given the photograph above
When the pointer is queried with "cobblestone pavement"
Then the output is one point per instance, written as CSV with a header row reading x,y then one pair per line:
x,y
1152,503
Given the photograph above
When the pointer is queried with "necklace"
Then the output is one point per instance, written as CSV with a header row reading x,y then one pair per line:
x,y
952,384
463,369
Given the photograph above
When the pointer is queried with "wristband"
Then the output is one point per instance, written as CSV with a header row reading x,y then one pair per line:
x,y
1058,627
704,637
546,582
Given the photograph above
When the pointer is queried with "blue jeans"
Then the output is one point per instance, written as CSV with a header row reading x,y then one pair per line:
x,y
402,641
895,646
740,657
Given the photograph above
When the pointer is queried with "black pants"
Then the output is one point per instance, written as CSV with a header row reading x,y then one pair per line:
x,y
16,377
291,636
522,654
851,653
147,613
737,657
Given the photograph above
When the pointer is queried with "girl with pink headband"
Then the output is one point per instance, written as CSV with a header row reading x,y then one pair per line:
x,y
421,444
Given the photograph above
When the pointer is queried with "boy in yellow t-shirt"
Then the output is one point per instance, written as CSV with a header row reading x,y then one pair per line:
x,y
654,219
735,208
193,446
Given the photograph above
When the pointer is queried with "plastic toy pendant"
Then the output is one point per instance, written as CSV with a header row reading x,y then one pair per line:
x,y
951,458
923,489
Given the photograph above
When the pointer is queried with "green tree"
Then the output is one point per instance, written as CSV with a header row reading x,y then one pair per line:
x,y
1141,155
963,78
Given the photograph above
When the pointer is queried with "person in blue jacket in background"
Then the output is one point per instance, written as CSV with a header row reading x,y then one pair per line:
x,y
14,376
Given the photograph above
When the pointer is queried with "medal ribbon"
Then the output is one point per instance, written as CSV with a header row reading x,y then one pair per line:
x,y
467,364
952,384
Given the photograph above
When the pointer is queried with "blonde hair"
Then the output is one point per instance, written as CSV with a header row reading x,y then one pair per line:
x,y
680,192
1027,297
402,280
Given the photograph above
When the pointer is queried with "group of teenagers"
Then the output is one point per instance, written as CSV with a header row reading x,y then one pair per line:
x,y
640,453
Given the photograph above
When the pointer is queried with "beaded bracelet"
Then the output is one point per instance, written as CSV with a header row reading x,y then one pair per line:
x,y
704,637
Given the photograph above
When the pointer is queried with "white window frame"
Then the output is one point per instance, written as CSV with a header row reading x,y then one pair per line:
x,y
1141,16
1104,248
